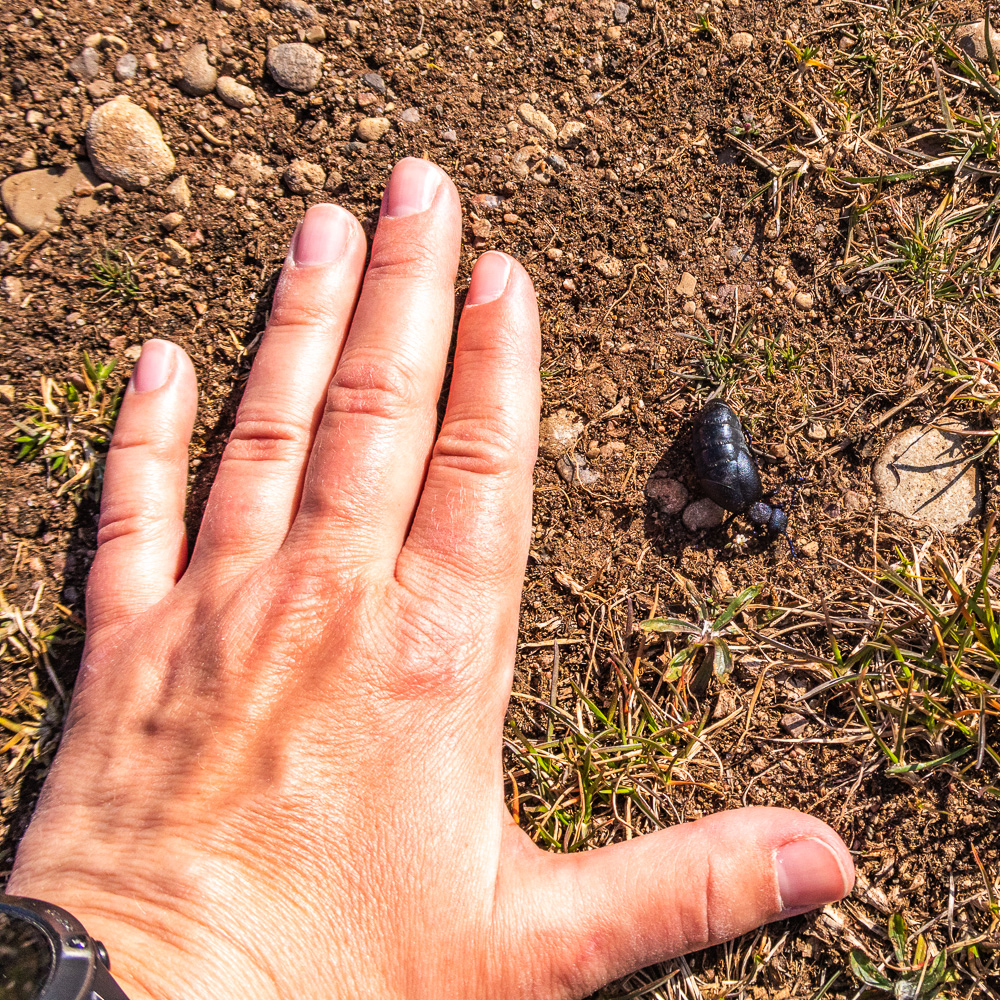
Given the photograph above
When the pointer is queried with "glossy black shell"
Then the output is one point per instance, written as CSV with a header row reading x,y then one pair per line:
x,y
726,469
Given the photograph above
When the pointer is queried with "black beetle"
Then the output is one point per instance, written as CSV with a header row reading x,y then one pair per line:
x,y
728,473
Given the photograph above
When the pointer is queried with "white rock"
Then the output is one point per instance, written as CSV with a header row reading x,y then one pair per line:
x,y
126,145
558,432
925,474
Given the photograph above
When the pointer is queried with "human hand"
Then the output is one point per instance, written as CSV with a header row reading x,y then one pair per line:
x,y
281,775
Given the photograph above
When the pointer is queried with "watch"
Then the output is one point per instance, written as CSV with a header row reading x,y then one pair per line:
x,y
45,954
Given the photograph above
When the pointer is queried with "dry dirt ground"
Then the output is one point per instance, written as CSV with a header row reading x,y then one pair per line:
x,y
794,205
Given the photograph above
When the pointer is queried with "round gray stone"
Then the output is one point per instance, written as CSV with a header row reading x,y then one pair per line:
x,y
295,66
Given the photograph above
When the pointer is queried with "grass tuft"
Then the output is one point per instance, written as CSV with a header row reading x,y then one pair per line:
x,y
68,428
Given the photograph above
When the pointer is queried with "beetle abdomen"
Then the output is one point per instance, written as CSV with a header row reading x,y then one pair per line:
x,y
725,468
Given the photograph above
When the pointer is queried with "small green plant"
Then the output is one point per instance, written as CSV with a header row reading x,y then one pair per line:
x,y
114,271
918,978
706,639
69,428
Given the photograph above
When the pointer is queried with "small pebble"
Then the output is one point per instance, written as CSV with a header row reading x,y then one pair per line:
x,y
229,6
816,431
223,193
86,66
574,469
171,221
178,255
235,94
374,81
570,134
126,67
28,160
303,177
558,432
299,9
126,146
530,115
703,514
669,494
12,289
449,136
803,300
741,42
687,285
179,193
372,129
621,12
410,115
198,75
295,66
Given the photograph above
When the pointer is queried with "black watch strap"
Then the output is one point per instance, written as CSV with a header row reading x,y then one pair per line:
x,y
104,986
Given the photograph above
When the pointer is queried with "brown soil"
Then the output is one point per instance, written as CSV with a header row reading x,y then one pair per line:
x,y
654,189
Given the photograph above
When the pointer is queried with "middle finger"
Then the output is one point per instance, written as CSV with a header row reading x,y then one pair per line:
x,y
372,446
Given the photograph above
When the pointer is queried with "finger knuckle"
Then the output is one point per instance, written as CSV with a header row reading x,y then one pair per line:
x,y
121,520
256,439
402,261
481,447
367,383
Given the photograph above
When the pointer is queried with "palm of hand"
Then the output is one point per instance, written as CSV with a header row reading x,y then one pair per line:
x,y
291,744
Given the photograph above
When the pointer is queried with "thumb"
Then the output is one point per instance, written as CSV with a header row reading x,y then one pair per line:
x,y
612,911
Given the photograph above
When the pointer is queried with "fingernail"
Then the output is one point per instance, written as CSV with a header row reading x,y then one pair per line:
x,y
489,278
411,189
154,366
322,236
809,875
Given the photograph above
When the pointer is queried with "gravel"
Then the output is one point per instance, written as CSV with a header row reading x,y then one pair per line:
x,y
295,66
